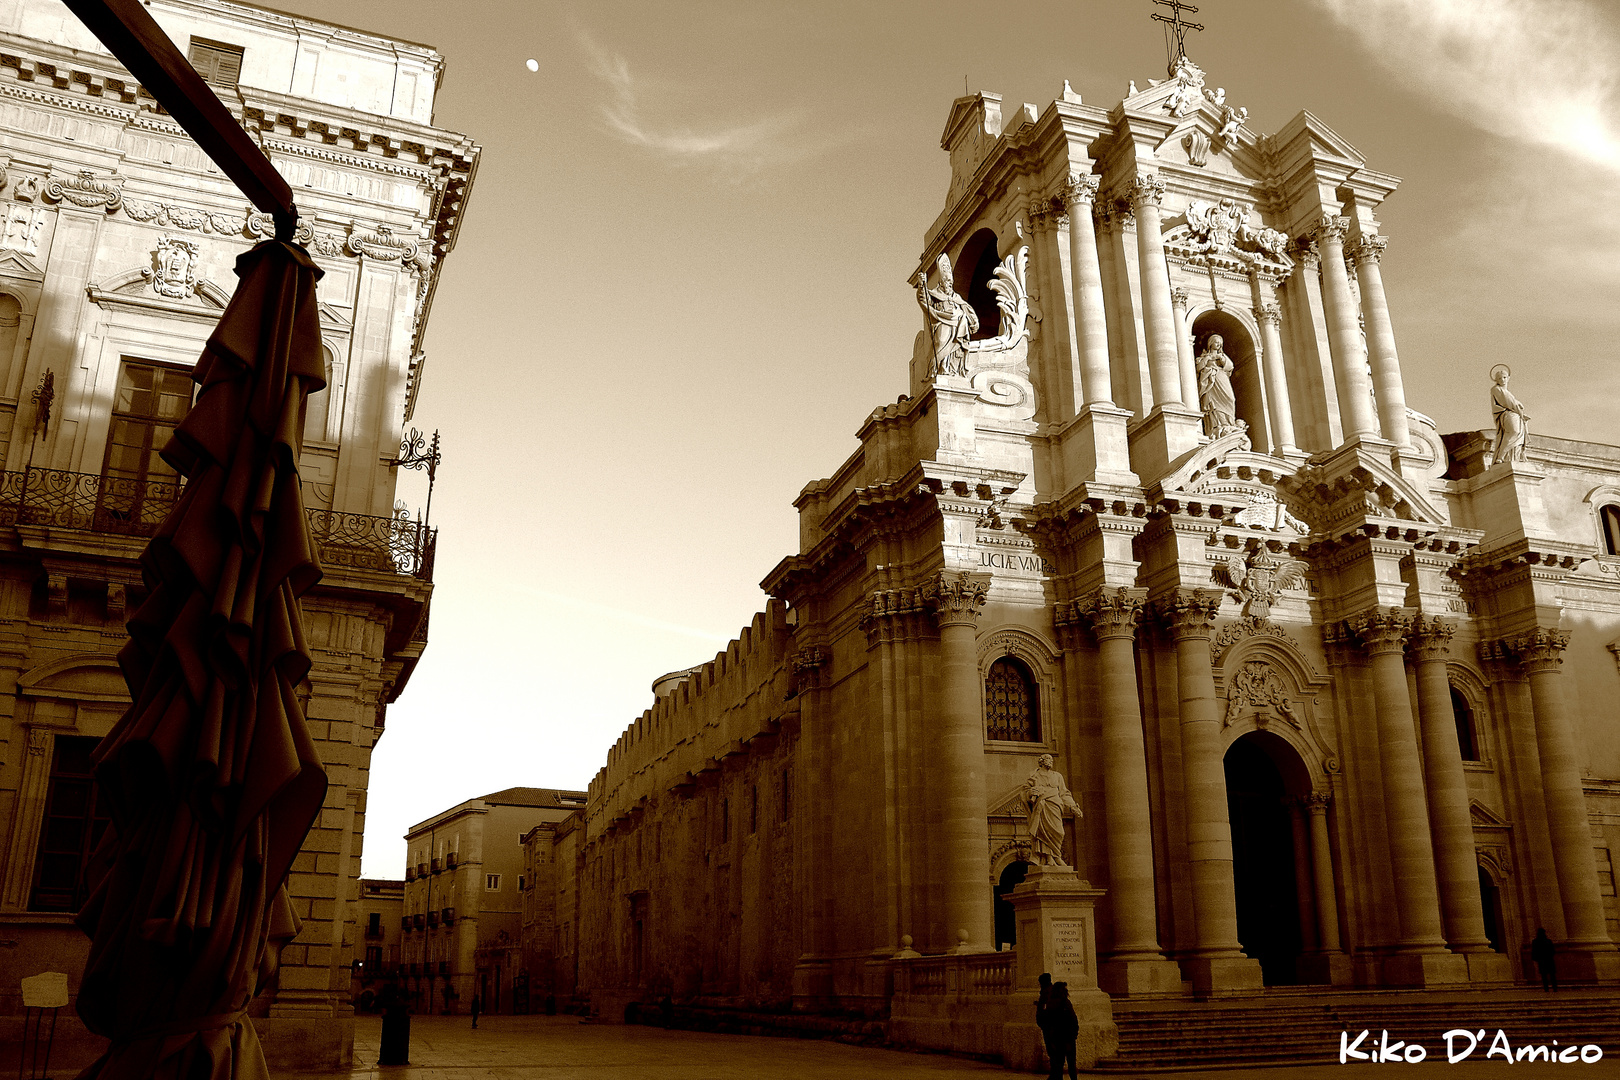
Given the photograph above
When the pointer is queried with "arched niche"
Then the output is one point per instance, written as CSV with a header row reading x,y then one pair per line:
x,y
1238,342
318,426
1468,684
975,268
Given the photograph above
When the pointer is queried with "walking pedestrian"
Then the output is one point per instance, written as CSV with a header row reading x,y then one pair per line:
x,y
1542,952
1060,1027
396,1026
477,1007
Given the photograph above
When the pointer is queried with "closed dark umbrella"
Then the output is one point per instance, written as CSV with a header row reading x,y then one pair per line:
x,y
212,777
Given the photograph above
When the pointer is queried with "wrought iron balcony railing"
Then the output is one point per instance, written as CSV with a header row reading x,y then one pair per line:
x,y
105,504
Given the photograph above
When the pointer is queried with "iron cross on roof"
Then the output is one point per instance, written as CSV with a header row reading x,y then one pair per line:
x,y
1180,28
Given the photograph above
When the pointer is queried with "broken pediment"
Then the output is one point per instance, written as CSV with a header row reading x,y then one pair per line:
x,y
1482,817
1350,489
16,265
134,291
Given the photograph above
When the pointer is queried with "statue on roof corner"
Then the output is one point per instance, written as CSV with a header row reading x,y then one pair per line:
x,y
1512,422
1215,394
950,321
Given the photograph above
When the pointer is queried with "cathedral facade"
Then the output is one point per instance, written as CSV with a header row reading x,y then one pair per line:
x,y
1334,692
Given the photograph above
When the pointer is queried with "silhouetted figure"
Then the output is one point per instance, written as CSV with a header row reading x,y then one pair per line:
x,y
477,1007
666,1011
1044,1000
551,1004
396,1026
1060,1027
1541,951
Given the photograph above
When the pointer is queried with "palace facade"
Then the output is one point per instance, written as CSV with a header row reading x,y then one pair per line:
x,y
1334,691
116,258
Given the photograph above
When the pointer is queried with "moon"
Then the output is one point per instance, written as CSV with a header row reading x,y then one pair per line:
x,y
532,64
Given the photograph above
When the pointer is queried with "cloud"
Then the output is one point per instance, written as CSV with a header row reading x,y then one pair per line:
x,y
1545,72
746,146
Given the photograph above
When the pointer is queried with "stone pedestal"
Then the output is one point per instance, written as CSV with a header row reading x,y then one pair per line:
x,y
1489,967
1057,935
1094,447
1325,968
1168,432
1424,969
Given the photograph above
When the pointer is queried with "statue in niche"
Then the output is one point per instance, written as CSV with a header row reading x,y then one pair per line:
x,y
950,319
1049,799
1512,422
1215,389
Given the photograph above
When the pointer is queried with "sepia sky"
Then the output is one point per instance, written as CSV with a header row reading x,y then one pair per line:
x,y
682,284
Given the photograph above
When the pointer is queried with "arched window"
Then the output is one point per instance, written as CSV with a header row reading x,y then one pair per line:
x,y
1010,703
1467,738
1609,520
974,270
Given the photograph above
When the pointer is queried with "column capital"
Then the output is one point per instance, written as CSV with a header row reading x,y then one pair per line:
x,y
1179,298
1309,255
1268,314
1368,248
1189,613
1316,802
1381,631
1078,191
959,597
1539,650
1330,230
1430,638
1113,612
1146,190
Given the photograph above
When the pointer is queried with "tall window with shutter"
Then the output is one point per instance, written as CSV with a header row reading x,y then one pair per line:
x,y
76,813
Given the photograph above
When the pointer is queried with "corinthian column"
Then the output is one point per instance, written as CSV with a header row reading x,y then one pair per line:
x,y
1344,331
1406,813
1449,819
1540,654
1136,962
1269,315
1386,363
1164,366
1184,348
1085,271
958,779
1216,960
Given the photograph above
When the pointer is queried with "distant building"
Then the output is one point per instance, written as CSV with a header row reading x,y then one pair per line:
x,y
463,897
117,244
379,916
550,883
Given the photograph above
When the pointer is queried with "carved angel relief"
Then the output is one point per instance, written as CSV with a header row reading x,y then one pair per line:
x,y
174,268
1257,581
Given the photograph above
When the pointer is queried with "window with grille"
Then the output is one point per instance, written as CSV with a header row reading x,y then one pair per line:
x,y
216,61
137,485
76,814
1010,713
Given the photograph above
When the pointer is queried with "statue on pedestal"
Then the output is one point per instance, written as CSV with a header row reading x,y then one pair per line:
x,y
1215,389
1512,422
950,321
1048,799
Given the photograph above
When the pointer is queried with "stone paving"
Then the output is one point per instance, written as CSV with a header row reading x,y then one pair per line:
x,y
563,1048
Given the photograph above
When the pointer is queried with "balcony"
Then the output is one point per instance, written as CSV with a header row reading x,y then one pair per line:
x,y
404,922
410,873
438,864
52,498
421,920
421,869
374,932
448,915
432,919
444,967
450,861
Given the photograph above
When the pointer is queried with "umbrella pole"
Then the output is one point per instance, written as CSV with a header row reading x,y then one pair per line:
x,y
49,1041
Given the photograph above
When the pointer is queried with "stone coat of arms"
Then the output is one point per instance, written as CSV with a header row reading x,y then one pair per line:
x,y
174,268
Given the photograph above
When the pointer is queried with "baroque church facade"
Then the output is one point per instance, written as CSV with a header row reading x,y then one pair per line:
x,y
117,249
1334,691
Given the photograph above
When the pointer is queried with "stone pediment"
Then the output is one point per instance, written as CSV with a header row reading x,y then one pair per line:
x,y
1010,805
1483,818
1321,139
1351,489
14,264
132,291
1188,471
334,318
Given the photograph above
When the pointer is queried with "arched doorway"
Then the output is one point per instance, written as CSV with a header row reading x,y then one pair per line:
x,y
1006,918
1239,346
1263,773
1491,902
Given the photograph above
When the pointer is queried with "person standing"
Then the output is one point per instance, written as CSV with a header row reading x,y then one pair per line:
x,y
1060,1027
396,1026
477,1007
1542,952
